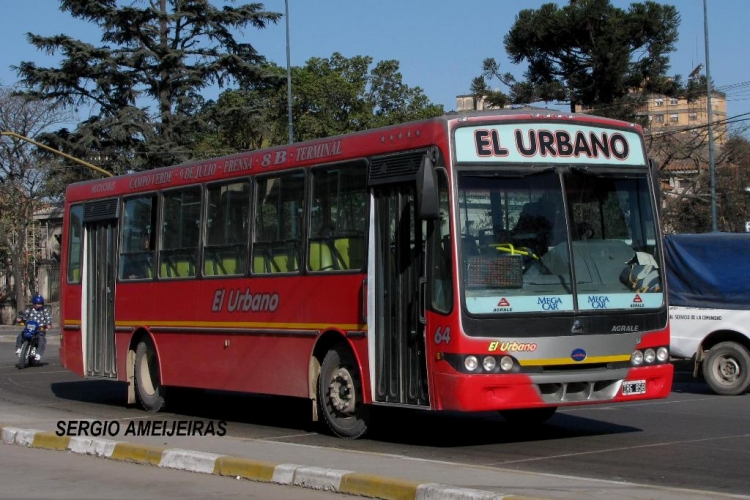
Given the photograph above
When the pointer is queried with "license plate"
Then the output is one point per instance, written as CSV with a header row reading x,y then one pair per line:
x,y
633,387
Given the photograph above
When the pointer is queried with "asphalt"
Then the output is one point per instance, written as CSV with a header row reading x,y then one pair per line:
x,y
372,475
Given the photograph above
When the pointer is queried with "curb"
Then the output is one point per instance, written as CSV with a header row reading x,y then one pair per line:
x,y
334,480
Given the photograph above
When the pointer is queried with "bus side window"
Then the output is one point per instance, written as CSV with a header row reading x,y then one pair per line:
x,y
442,243
279,205
137,243
180,233
227,234
338,218
74,243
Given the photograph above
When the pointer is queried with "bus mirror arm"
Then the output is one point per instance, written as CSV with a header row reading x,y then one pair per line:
x,y
364,300
421,300
427,193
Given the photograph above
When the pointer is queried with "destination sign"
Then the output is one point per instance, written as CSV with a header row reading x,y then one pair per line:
x,y
548,143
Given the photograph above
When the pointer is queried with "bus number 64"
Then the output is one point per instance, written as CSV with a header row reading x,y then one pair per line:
x,y
443,336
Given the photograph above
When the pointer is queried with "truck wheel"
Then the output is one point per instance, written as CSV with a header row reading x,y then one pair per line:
x,y
147,382
727,369
340,394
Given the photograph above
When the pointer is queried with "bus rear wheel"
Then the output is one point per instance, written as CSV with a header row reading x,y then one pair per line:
x,y
340,394
727,369
148,384
529,415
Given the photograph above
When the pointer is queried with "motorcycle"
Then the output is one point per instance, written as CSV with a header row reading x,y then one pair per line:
x,y
31,331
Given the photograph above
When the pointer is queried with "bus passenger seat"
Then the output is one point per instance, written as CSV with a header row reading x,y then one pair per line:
x,y
228,265
185,267
320,256
342,248
259,264
167,269
209,266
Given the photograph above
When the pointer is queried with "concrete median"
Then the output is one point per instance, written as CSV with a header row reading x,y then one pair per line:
x,y
320,478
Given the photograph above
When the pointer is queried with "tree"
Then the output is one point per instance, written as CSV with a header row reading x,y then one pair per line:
x,y
23,187
683,157
142,82
590,54
331,96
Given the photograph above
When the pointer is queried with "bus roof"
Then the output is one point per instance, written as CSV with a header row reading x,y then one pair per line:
x,y
379,141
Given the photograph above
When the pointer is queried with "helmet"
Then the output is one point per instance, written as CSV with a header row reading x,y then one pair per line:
x,y
38,299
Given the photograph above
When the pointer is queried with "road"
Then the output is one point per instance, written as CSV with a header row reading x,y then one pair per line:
x,y
694,439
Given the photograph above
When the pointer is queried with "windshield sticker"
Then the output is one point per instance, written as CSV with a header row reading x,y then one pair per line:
x,y
500,304
547,303
589,302
550,143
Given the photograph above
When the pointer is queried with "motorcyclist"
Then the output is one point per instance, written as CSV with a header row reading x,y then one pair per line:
x,y
39,313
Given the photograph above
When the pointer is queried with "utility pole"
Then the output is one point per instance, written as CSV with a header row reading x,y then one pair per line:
x,y
288,76
711,166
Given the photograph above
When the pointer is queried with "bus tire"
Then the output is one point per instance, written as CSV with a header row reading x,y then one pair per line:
x,y
727,369
530,416
340,394
148,386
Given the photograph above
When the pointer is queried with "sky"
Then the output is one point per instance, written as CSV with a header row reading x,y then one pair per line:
x,y
440,44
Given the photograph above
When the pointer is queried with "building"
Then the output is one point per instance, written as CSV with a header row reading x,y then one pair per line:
x,y
672,114
41,258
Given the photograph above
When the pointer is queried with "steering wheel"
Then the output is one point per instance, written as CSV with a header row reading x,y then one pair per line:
x,y
509,248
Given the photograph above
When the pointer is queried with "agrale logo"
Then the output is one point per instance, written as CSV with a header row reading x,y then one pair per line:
x,y
503,306
637,302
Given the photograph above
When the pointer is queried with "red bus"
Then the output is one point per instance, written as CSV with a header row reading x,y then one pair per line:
x,y
507,261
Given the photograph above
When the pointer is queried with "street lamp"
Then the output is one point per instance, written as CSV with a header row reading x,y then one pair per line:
x,y
72,158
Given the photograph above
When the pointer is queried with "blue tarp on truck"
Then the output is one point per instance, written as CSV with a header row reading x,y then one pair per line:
x,y
710,270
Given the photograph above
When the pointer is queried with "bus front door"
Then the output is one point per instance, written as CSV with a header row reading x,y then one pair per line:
x,y
99,294
400,365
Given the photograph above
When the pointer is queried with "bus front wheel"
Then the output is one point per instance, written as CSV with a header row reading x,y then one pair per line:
x,y
340,394
529,415
148,384
727,369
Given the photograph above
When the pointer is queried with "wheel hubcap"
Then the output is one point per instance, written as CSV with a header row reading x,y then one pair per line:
x,y
341,391
729,370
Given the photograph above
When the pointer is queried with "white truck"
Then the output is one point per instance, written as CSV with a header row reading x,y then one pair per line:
x,y
708,285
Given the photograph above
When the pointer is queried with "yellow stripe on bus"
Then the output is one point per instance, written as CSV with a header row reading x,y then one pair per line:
x,y
231,324
570,361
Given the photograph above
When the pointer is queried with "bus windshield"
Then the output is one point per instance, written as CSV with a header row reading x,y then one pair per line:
x,y
518,233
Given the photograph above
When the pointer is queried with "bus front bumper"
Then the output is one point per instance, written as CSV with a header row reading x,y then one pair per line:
x,y
483,392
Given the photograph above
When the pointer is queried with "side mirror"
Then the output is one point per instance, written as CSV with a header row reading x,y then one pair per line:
x,y
427,192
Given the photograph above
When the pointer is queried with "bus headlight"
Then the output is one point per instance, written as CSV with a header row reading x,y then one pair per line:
x,y
489,363
637,358
649,356
662,354
506,363
471,363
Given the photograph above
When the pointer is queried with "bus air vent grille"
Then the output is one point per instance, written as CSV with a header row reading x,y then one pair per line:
x,y
395,167
100,210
